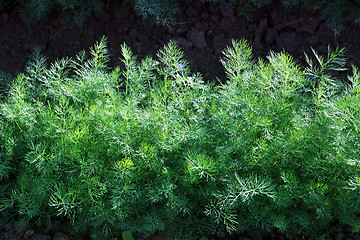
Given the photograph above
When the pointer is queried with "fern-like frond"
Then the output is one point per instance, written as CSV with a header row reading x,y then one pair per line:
x,y
237,58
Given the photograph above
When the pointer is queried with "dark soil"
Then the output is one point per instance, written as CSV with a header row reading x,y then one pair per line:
x,y
201,30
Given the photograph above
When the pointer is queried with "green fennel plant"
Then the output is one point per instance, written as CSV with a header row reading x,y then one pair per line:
x,y
152,148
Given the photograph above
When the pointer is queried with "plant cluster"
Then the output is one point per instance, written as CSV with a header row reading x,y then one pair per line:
x,y
153,148
159,11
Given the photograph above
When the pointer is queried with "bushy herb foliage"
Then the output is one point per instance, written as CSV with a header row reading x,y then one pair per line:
x,y
152,148
159,11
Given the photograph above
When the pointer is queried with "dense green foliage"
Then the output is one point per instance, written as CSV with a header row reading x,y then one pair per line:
x,y
336,12
153,148
160,11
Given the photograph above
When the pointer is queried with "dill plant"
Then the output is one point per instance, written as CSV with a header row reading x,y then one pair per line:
x,y
153,148
159,11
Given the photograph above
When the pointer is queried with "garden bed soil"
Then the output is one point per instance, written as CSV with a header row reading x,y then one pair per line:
x,y
201,30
